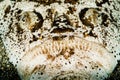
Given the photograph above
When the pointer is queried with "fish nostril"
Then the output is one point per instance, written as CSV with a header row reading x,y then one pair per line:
x,y
61,21
62,30
61,24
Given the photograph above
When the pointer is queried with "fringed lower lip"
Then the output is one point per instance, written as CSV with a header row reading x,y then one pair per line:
x,y
76,54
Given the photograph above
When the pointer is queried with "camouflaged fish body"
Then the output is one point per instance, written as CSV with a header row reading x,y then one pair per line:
x,y
61,39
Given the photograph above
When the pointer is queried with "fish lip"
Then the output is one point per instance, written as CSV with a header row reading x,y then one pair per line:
x,y
57,58
70,37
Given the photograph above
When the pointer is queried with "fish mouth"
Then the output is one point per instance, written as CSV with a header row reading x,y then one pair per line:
x,y
68,54
61,45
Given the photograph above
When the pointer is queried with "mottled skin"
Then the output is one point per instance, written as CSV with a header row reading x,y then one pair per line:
x,y
48,40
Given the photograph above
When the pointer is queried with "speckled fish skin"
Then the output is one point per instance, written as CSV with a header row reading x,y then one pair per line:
x,y
61,39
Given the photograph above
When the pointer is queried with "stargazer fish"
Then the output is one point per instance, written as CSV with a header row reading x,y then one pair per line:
x,y
61,39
